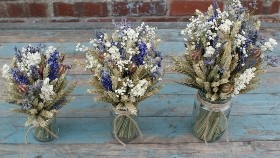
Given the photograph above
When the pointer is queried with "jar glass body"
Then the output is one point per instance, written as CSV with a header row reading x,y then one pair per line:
x,y
48,133
210,123
123,127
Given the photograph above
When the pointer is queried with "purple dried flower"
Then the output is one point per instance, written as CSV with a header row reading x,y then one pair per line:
x,y
222,70
121,49
158,58
19,77
142,47
34,72
215,7
139,58
253,4
26,106
53,62
18,54
123,25
272,60
100,35
209,61
57,105
32,49
156,73
106,80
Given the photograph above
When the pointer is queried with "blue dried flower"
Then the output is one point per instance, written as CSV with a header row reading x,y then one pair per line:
x,y
34,89
272,60
209,61
36,86
215,7
100,35
101,47
106,80
157,73
122,53
123,25
139,58
26,106
34,72
19,77
32,49
222,70
142,47
253,4
18,54
158,58
121,49
253,36
53,62
57,105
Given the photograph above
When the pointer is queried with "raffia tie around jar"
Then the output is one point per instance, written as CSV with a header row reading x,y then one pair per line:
x,y
121,118
212,120
46,133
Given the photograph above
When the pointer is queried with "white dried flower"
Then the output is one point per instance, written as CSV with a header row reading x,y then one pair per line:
x,y
243,80
209,51
47,90
6,72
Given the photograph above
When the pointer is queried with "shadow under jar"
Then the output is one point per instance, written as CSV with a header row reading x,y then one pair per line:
x,y
209,118
47,133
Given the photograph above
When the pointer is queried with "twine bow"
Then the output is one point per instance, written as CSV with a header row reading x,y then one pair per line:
x,y
119,114
36,124
214,108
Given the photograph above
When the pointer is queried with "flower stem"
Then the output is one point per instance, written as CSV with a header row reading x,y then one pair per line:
x,y
125,128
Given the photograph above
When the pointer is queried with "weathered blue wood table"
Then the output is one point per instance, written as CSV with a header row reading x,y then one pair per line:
x,y
254,124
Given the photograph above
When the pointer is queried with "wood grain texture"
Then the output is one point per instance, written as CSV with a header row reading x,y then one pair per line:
x,y
164,119
252,149
159,130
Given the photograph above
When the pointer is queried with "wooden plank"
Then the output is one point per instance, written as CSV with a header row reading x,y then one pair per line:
x,y
60,36
166,48
161,106
155,130
89,25
165,119
252,149
7,49
103,25
172,40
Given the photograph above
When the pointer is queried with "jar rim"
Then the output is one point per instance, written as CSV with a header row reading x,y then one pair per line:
x,y
203,96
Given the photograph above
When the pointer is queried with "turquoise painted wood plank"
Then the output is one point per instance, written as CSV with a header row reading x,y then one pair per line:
x,y
7,49
100,25
162,105
167,48
58,36
155,129
252,149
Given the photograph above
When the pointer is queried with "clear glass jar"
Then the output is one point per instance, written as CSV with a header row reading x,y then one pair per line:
x,y
126,130
48,133
216,118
